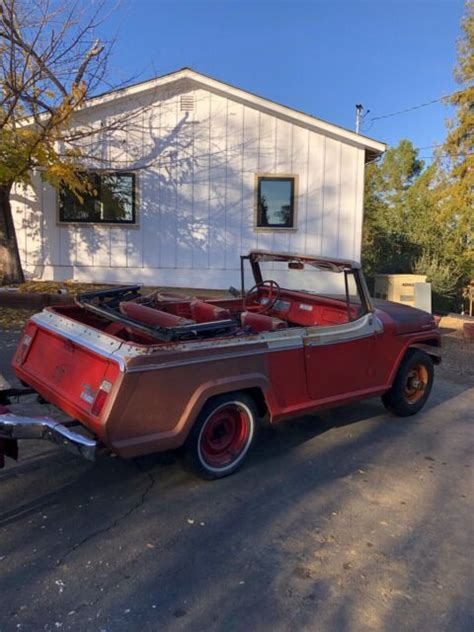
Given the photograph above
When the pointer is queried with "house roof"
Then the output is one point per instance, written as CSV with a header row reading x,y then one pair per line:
x,y
373,148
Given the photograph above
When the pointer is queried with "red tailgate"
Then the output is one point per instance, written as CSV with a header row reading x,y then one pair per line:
x,y
65,373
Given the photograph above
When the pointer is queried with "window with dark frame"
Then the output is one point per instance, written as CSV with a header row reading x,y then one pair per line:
x,y
275,202
113,201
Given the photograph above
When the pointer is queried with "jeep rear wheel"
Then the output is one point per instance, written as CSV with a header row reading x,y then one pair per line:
x,y
222,435
412,385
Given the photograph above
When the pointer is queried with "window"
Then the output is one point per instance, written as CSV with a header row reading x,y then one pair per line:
x,y
275,202
114,202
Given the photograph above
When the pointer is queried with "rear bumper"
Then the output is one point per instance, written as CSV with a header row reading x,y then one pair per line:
x,y
13,427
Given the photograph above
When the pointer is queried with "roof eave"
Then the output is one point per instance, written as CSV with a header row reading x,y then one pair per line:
x,y
373,147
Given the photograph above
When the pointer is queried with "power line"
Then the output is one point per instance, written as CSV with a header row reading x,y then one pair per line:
x,y
434,156
429,146
414,107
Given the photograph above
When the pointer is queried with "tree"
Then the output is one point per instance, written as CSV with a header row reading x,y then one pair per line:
x,y
50,62
458,187
389,243
421,219
450,262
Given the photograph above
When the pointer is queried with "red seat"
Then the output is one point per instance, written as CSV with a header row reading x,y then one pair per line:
x,y
262,322
205,312
150,316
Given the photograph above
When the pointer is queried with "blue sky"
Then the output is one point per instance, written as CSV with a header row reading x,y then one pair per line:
x,y
319,56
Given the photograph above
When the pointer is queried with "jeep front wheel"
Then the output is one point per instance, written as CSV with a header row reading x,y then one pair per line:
x,y
412,385
222,435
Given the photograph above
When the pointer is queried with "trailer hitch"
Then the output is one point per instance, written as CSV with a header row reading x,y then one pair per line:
x,y
8,447
7,391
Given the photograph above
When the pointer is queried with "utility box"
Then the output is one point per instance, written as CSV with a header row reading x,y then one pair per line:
x,y
399,288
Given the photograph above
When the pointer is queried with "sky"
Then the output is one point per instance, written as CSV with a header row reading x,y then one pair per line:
x,y
318,56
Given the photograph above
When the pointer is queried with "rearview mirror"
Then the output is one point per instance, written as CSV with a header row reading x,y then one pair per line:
x,y
296,265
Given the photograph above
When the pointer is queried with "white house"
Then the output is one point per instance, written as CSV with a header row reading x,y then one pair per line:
x,y
203,173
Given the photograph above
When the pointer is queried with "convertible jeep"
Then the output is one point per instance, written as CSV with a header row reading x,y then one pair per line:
x,y
138,373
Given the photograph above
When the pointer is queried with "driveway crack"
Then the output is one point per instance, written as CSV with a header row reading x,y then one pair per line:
x,y
140,502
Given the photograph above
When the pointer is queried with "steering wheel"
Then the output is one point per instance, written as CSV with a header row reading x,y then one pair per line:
x,y
268,290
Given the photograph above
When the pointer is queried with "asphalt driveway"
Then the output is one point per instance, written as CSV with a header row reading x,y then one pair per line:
x,y
349,520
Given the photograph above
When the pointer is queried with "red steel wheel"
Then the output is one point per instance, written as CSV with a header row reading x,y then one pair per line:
x,y
222,435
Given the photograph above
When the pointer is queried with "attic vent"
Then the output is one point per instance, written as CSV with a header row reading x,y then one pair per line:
x,y
187,103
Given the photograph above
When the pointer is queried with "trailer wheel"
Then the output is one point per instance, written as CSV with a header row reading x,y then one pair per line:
x,y
412,385
222,435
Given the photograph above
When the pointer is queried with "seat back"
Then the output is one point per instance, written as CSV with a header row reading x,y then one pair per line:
x,y
205,312
261,322
150,316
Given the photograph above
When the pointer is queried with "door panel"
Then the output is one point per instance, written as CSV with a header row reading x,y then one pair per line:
x,y
339,358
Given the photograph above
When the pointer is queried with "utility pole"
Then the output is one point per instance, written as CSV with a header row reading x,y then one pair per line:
x,y
359,110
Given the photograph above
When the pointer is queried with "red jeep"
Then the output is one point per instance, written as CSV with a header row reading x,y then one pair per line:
x,y
144,373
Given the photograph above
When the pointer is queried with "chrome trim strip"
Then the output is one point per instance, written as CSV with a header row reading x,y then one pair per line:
x,y
15,427
70,330
362,328
214,358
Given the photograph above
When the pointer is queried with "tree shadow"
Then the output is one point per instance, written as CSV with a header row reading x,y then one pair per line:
x,y
333,523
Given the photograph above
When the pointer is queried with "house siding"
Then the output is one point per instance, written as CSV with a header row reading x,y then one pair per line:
x,y
196,197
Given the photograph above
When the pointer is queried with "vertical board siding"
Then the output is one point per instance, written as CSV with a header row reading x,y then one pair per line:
x,y
347,201
168,184
195,180
250,136
33,222
358,206
201,158
266,164
217,182
283,165
330,211
233,210
185,177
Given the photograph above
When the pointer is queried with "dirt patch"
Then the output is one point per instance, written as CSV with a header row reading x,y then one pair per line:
x,y
457,352
13,319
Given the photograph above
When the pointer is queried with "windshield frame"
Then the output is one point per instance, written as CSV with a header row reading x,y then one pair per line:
x,y
334,266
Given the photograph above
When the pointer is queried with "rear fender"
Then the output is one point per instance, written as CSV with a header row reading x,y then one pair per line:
x,y
172,439
219,387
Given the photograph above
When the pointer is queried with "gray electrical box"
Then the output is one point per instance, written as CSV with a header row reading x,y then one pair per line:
x,y
423,296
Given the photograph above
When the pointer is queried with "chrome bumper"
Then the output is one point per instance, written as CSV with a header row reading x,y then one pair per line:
x,y
14,427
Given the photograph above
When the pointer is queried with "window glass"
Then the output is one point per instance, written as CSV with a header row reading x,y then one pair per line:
x,y
275,205
113,201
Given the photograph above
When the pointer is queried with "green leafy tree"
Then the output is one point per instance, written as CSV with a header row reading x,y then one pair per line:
x,y
448,257
389,244
421,219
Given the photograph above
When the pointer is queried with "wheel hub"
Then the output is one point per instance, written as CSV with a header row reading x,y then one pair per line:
x,y
416,383
225,436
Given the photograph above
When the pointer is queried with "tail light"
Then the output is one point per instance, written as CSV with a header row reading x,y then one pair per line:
x,y
23,348
101,397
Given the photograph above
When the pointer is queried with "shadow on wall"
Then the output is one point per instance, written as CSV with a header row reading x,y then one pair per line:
x,y
195,197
